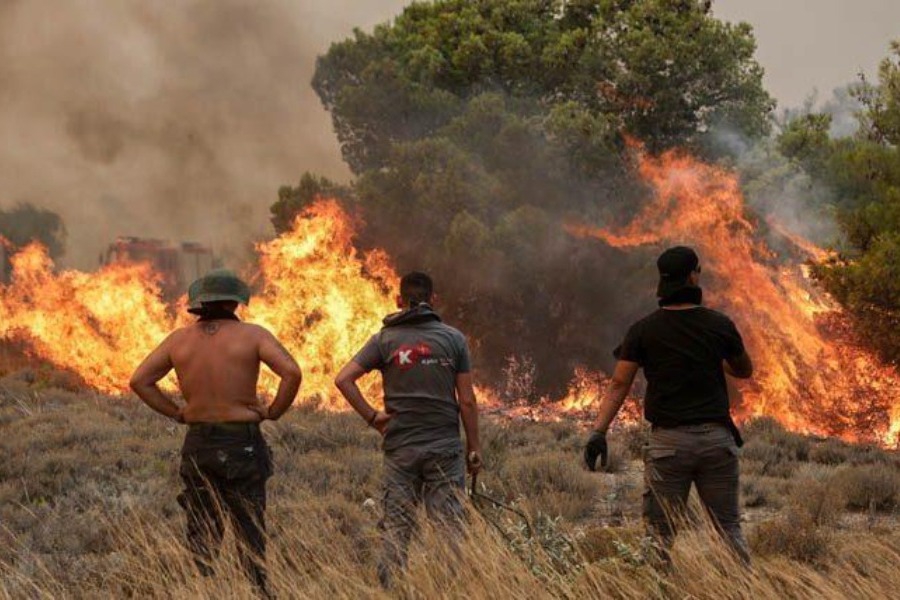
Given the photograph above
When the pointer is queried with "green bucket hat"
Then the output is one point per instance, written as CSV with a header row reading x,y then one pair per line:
x,y
216,286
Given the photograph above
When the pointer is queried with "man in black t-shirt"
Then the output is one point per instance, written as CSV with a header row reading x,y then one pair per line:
x,y
685,350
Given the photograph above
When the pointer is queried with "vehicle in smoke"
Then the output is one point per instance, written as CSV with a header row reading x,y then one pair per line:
x,y
176,264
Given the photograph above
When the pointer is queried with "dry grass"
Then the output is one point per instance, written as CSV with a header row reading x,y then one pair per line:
x,y
87,510
873,487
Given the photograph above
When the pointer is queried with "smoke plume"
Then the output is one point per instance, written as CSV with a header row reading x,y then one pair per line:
x,y
173,120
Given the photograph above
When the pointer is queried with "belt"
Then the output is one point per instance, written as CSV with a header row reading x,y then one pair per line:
x,y
249,428
706,428
692,427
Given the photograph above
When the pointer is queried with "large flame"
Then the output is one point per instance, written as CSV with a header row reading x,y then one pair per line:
x,y
98,325
321,298
812,375
316,293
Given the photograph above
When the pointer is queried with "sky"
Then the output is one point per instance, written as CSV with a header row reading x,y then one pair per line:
x,y
807,45
180,120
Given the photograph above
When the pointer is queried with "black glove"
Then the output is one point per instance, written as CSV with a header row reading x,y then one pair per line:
x,y
596,446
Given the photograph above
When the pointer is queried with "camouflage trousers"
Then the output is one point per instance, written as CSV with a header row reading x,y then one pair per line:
x,y
705,456
224,467
415,476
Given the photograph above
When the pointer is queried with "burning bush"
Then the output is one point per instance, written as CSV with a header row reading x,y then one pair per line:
x,y
476,130
319,295
862,175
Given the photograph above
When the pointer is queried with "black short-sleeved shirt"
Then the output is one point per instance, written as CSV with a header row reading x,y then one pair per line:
x,y
418,365
681,352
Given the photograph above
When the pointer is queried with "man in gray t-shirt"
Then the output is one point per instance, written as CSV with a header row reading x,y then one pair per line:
x,y
427,379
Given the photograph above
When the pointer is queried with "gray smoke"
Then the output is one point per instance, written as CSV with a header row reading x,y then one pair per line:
x,y
180,119
777,188
176,120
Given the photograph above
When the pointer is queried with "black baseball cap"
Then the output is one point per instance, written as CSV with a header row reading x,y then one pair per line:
x,y
675,267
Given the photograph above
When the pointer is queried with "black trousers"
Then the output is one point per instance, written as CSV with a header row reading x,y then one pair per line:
x,y
224,467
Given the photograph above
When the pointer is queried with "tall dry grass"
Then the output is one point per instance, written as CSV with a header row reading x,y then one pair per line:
x,y
87,510
314,554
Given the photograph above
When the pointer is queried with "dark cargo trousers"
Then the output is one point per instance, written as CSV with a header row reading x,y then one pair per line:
x,y
703,455
224,467
413,476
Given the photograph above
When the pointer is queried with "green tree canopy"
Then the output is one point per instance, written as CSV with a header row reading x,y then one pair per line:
x,y
665,71
476,128
863,172
292,200
25,223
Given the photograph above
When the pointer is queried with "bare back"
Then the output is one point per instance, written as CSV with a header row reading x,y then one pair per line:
x,y
217,364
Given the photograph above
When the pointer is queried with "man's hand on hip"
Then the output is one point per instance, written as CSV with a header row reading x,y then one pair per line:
x,y
380,421
262,409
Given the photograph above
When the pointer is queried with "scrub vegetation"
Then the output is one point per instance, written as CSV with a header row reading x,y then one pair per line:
x,y
88,510
491,124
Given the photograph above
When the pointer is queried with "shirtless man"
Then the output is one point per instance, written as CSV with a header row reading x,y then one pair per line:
x,y
225,461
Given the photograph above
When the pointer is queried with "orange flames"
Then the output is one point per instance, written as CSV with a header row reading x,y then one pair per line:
x,y
320,297
316,293
812,375
323,299
98,325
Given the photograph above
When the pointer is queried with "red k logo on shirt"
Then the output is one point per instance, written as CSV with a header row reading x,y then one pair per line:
x,y
406,356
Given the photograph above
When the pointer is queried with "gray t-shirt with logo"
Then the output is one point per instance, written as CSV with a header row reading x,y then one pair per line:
x,y
419,361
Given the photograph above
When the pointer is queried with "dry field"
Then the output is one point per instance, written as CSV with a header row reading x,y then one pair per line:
x,y
87,510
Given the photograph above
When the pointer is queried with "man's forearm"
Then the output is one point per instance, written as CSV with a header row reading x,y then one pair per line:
x,y
153,397
469,413
284,397
354,397
609,408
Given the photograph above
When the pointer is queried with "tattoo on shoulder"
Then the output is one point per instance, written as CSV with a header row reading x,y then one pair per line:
x,y
210,327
